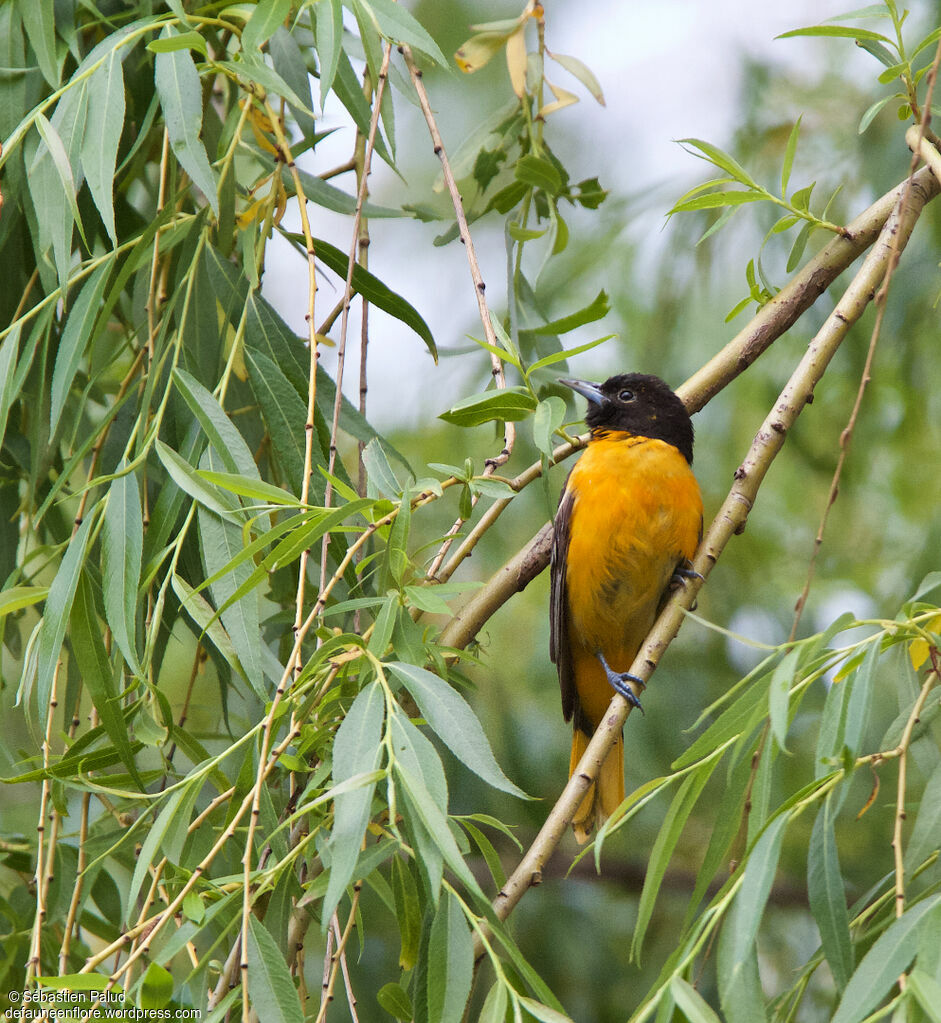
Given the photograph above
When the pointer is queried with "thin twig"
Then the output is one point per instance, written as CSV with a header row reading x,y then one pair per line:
x,y
330,977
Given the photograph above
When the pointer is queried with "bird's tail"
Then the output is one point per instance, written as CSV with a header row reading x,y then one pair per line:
x,y
605,794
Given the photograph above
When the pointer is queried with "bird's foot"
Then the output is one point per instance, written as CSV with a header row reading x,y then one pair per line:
x,y
619,683
681,573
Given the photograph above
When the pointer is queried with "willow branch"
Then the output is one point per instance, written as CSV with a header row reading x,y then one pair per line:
x,y
771,321
729,521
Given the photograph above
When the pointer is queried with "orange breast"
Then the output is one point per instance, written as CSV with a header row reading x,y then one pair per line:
x,y
637,512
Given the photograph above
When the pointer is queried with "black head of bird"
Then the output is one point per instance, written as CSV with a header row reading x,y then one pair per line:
x,y
637,404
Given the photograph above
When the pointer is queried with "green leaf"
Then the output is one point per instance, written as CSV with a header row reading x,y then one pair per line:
x,y
349,91
691,1003
860,698
76,339
681,807
879,969
122,543
928,993
398,26
407,911
393,998
289,64
599,307
871,112
283,412
379,472
550,414
737,941
779,695
186,477
827,897
19,597
789,151
202,613
924,837
221,431
716,200
267,17
357,749
156,988
539,173
76,982
9,388
836,31
450,716
510,403
57,610
331,198
270,985
495,1005
374,291
183,41
103,135
543,1012
253,69
85,635
328,28
181,99
450,963
255,489
712,154
39,21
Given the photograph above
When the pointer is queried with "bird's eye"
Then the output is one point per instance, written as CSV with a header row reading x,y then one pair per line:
x,y
625,395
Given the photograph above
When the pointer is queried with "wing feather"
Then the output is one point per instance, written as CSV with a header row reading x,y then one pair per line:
x,y
559,649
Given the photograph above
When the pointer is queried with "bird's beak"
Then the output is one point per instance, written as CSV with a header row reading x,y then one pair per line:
x,y
586,388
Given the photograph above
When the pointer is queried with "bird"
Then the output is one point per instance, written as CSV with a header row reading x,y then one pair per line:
x,y
628,523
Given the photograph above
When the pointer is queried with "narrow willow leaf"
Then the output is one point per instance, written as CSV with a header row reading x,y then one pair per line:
x,y
18,597
716,200
76,339
267,17
669,834
186,477
871,112
122,543
103,135
220,541
495,1004
550,414
379,472
374,291
57,610
928,992
827,896
221,431
707,151
393,998
398,26
156,989
181,99
39,22
879,969
509,403
200,610
407,911
283,412
183,41
9,349
450,963
356,749
348,90
836,31
328,27
691,1003
289,63
451,717
76,982
322,193
270,985
860,699
927,828
779,695
740,928
256,489
97,673
542,1012
789,152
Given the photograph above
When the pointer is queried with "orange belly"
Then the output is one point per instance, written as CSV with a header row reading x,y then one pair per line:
x,y
636,514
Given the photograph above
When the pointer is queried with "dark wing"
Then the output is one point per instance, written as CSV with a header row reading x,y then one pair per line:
x,y
558,605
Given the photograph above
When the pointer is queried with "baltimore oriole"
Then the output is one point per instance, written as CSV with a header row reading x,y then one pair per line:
x,y
628,523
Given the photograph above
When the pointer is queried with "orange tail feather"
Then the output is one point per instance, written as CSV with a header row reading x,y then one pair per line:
x,y
604,795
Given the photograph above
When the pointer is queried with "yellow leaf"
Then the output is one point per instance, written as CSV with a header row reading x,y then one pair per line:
x,y
478,50
516,61
563,98
919,649
251,213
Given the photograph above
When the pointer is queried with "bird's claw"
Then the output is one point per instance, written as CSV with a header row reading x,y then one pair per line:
x,y
619,683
